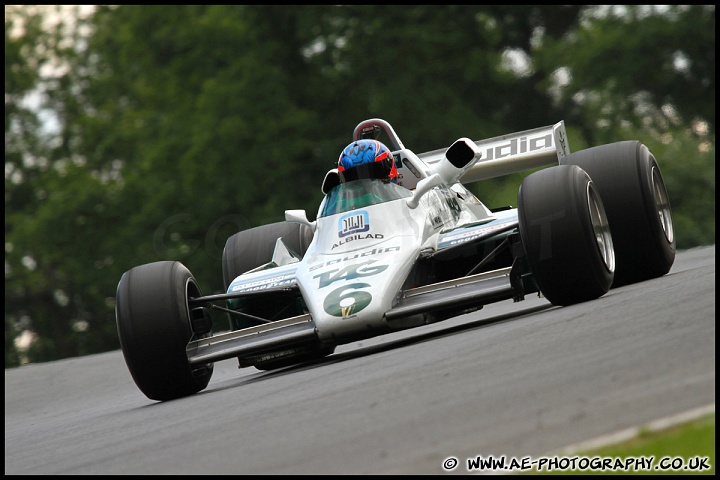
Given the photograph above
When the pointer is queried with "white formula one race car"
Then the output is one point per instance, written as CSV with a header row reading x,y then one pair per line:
x,y
388,255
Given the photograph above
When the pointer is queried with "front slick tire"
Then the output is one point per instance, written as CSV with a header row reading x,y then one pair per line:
x,y
565,234
154,326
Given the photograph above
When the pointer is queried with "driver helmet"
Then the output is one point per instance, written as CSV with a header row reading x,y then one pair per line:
x,y
367,158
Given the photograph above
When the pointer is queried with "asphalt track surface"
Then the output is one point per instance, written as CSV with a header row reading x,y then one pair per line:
x,y
512,380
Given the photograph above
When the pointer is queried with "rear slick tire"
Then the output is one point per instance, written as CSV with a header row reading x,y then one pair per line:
x,y
566,236
253,247
636,201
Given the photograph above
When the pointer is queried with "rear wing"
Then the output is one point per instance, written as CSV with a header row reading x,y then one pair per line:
x,y
503,155
506,154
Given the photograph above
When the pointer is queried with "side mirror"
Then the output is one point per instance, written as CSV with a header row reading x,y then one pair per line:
x,y
331,180
458,158
424,186
300,216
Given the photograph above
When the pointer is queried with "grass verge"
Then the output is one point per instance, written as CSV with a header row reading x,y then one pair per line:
x,y
684,449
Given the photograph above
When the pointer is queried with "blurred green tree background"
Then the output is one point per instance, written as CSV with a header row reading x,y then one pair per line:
x,y
143,133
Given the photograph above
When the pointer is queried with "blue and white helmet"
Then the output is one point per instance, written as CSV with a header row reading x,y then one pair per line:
x,y
367,159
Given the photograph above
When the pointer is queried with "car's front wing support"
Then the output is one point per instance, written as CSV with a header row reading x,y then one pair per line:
x,y
252,340
453,294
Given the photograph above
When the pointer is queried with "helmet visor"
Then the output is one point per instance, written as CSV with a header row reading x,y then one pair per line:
x,y
377,170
